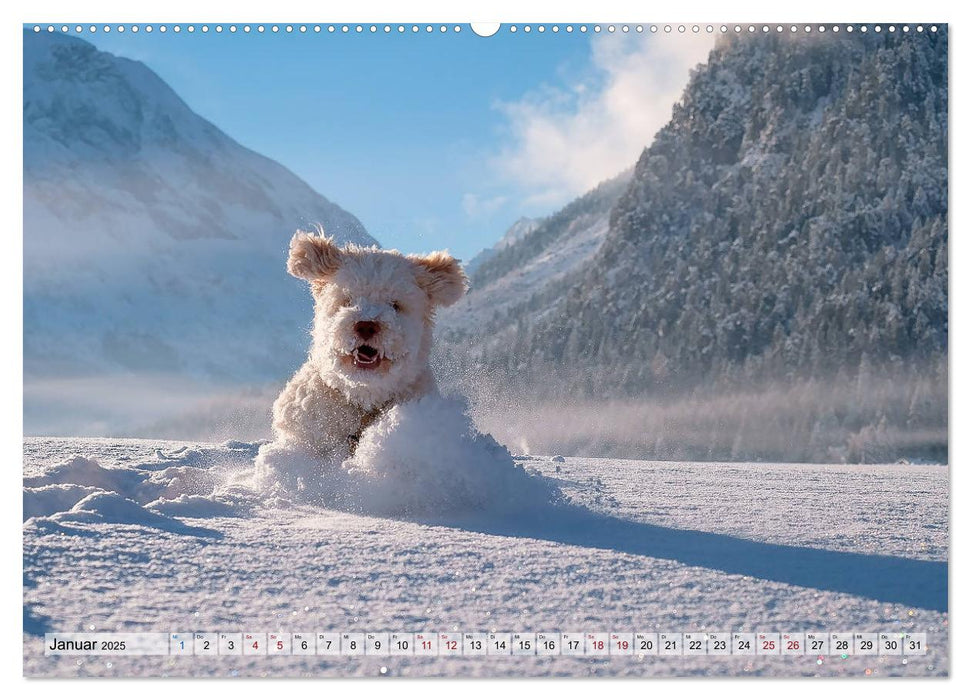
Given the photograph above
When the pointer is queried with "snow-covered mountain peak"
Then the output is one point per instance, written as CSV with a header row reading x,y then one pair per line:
x,y
174,234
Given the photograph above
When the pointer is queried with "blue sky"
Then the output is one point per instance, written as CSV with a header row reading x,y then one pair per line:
x,y
432,140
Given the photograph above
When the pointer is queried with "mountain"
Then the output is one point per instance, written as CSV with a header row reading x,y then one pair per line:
x,y
771,283
792,216
154,244
532,255
522,226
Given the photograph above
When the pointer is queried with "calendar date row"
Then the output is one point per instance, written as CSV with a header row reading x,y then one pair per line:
x,y
489,644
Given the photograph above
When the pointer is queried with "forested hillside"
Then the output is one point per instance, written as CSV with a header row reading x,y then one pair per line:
x,y
788,225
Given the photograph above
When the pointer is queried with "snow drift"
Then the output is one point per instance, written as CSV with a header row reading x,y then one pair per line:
x,y
423,458
203,483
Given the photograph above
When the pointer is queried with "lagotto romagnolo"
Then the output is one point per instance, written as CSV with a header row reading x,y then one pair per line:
x,y
374,311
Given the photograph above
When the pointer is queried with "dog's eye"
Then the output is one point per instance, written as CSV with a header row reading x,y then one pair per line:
x,y
396,306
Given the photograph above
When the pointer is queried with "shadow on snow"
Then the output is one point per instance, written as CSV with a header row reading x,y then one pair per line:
x,y
912,582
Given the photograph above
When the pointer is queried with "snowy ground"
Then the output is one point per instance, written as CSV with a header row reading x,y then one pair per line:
x,y
163,536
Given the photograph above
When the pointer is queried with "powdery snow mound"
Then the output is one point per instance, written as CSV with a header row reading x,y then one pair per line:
x,y
426,457
421,458
187,506
53,498
183,483
86,472
106,507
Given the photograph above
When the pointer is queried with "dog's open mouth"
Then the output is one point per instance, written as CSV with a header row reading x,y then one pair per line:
x,y
366,357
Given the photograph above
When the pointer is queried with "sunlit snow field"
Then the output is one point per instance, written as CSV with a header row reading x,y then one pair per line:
x,y
143,535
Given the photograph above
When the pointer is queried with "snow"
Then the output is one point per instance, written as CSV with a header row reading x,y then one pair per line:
x,y
54,498
521,228
421,458
475,309
143,535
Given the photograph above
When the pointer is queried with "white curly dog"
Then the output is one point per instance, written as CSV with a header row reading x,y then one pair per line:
x,y
374,311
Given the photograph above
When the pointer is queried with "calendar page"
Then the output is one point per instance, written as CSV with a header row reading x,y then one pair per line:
x,y
543,349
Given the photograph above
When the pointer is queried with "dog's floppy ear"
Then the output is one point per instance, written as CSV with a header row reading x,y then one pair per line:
x,y
312,256
441,276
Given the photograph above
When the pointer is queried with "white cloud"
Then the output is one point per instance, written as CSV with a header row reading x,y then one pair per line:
x,y
563,141
476,206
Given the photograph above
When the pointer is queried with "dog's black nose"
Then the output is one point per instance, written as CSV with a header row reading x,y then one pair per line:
x,y
366,329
